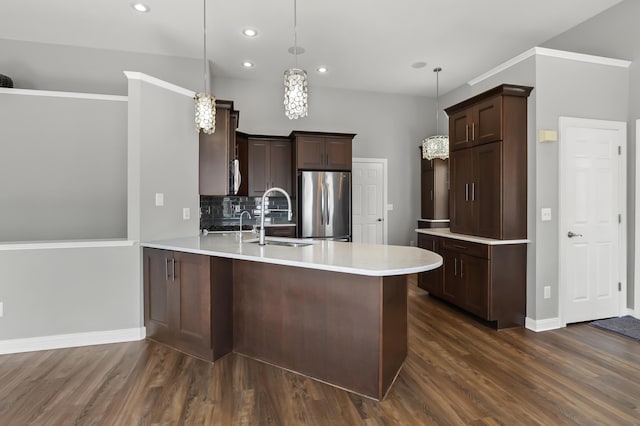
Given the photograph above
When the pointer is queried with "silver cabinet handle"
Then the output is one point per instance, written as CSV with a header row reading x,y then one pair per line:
x,y
455,267
166,268
173,269
473,191
461,272
466,192
466,135
571,234
473,131
431,194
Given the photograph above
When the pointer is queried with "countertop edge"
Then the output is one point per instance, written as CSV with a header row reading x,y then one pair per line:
x,y
444,232
299,264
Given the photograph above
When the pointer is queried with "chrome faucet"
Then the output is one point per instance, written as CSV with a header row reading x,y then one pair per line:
x,y
264,210
240,230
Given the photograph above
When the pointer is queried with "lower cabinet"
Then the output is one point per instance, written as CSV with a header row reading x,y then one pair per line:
x,y
486,280
188,302
280,231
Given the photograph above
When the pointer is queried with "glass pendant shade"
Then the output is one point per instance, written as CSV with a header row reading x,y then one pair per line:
x,y
435,147
205,113
295,93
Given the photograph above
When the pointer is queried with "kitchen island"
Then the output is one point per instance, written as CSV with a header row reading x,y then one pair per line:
x,y
333,311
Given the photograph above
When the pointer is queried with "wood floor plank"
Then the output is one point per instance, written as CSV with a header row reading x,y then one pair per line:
x,y
457,371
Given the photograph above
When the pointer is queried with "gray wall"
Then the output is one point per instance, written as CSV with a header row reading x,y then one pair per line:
x,y
387,126
69,290
63,168
163,158
615,33
78,69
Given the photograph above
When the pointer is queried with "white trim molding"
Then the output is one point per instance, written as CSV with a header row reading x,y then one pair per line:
x,y
74,340
134,75
636,279
543,325
54,94
41,245
542,51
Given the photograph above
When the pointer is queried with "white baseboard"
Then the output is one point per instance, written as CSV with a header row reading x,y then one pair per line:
x,y
542,325
59,341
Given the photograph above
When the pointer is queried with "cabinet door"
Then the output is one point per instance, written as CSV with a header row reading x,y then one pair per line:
x,y
487,190
475,273
338,153
430,281
157,270
259,167
191,299
461,205
280,231
487,121
280,165
459,136
310,152
428,194
215,156
452,286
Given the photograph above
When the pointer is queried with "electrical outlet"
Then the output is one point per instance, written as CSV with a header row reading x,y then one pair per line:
x,y
236,208
186,213
545,214
547,292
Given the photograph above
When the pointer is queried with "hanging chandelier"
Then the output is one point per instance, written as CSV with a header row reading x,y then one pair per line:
x,y
295,82
205,102
436,146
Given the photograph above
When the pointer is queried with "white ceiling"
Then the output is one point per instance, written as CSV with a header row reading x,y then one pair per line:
x,y
366,44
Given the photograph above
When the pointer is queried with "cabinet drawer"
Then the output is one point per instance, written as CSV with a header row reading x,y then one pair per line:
x,y
466,247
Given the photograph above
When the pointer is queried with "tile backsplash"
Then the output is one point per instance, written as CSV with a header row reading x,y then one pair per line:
x,y
223,211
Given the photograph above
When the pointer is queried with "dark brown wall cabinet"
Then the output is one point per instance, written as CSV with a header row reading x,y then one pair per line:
x,y
322,151
218,150
188,302
269,164
488,160
434,184
486,280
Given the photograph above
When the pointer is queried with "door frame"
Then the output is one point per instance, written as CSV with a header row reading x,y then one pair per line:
x,y
385,210
563,124
636,271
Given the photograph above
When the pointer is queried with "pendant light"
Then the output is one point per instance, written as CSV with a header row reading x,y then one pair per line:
x,y
205,102
295,82
436,146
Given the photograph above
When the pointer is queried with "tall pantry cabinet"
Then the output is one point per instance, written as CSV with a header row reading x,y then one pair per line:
x,y
484,251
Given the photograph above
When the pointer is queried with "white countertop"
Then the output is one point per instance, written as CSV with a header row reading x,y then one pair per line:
x,y
445,232
351,258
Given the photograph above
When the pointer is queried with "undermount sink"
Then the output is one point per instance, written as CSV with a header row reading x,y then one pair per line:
x,y
287,242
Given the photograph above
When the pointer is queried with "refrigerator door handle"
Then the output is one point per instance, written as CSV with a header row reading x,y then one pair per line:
x,y
323,205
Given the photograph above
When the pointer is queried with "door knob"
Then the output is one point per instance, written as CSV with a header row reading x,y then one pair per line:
x,y
379,219
571,234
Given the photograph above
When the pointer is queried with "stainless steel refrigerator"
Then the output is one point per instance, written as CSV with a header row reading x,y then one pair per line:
x,y
324,205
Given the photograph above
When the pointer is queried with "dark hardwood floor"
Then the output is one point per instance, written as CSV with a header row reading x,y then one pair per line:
x,y
458,371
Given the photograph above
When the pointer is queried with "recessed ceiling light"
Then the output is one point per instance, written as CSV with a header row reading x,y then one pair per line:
x,y
322,70
250,32
248,64
418,65
140,7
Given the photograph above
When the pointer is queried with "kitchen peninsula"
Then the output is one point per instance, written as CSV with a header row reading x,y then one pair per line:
x,y
333,311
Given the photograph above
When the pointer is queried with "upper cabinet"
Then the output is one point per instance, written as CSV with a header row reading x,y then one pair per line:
x,y
217,152
322,151
269,164
488,160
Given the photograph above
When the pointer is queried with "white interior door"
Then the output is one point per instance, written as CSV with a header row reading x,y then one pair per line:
x,y
591,202
368,221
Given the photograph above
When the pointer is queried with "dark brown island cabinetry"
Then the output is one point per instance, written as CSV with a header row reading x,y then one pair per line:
x,y
188,302
434,184
488,160
486,280
322,151
270,159
217,151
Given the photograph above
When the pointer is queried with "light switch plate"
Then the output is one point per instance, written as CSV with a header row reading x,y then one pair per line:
x,y
1,309
186,213
545,214
159,199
